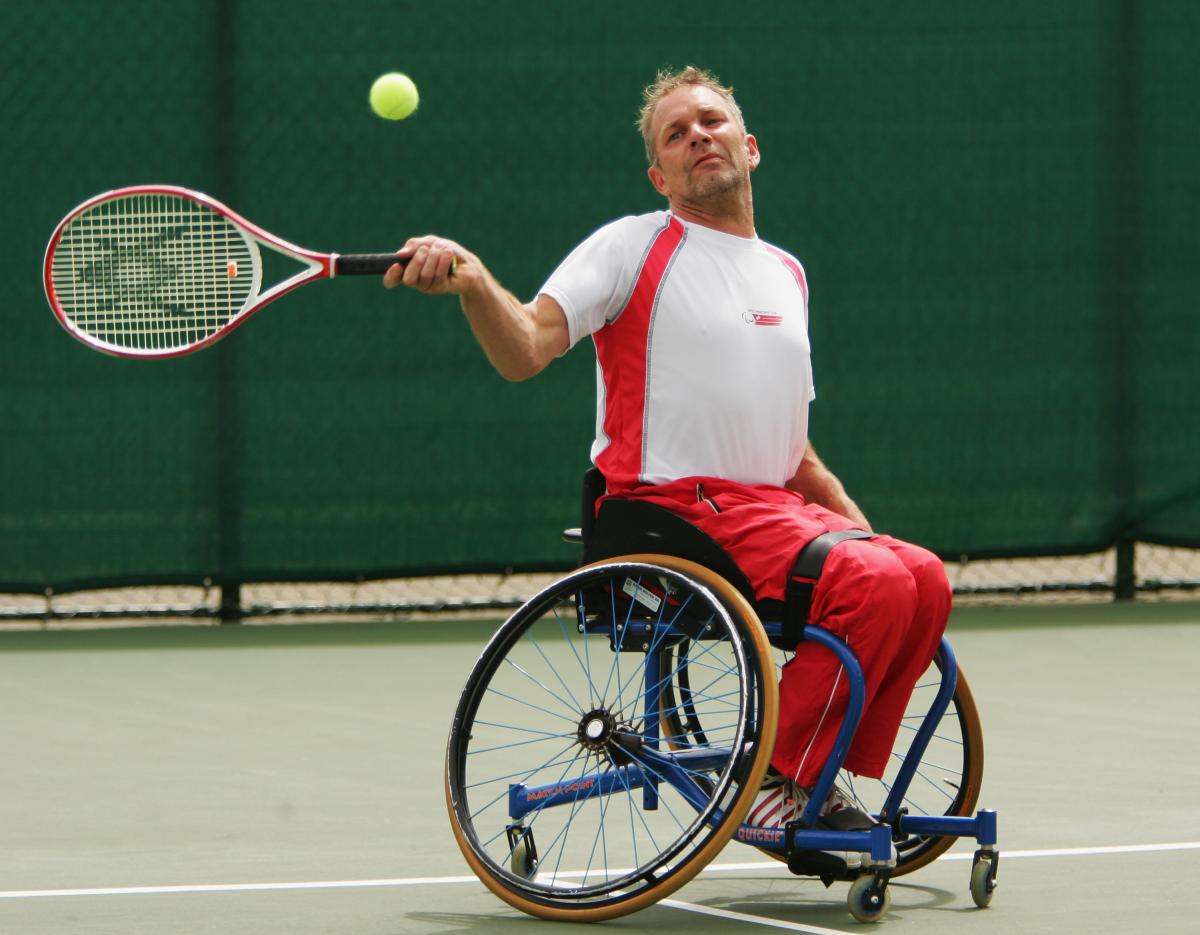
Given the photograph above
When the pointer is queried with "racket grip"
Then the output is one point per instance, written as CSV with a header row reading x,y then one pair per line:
x,y
364,264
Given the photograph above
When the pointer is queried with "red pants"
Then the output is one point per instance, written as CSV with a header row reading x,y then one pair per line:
x,y
887,599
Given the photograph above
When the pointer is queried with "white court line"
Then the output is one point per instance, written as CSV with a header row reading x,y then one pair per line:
x,y
237,887
444,881
753,920
1087,851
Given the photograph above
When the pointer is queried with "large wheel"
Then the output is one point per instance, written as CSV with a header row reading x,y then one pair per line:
x,y
569,793
949,775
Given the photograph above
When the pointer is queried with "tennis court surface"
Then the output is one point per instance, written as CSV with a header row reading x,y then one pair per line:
x,y
289,779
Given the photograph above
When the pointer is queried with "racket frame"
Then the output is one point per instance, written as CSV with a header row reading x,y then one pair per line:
x,y
317,266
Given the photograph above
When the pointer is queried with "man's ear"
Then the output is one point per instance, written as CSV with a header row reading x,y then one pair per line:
x,y
752,151
658,180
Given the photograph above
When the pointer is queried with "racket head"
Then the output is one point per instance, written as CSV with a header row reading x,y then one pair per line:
x,y
160,271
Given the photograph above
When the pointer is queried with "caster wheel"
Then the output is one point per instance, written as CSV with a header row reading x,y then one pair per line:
x,y
869,899
523,862
983,884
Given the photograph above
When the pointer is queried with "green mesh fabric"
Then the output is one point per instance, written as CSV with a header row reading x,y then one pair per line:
x,y
996,206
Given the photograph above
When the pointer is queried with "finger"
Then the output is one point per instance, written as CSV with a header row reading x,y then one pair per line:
x,y
394,275
414,243
447,258
426,263
435,265
419,271
409,273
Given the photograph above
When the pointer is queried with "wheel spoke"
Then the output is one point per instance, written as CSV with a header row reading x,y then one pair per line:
x,y
550,737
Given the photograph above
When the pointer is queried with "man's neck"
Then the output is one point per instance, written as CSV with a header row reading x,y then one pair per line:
x,y
733,214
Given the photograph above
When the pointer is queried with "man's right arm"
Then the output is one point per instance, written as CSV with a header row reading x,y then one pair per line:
x,y
518,339
817,484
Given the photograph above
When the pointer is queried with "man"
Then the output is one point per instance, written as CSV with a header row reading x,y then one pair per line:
x,y
701,334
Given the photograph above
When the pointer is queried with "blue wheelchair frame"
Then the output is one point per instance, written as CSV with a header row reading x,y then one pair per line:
x,y
677,767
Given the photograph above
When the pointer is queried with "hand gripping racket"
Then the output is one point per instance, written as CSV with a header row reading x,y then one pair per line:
x,y
159,271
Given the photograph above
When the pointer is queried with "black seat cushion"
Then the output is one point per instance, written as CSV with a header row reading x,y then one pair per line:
x,y
627,526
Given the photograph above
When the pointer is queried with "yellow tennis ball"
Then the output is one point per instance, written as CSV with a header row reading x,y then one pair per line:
x,y
394,96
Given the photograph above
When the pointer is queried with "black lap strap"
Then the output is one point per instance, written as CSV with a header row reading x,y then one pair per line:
x,y
803,578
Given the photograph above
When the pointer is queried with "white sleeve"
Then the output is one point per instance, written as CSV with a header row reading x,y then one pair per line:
x,y
594,282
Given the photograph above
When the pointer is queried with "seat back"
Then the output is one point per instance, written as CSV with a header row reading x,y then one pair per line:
x,y
593,489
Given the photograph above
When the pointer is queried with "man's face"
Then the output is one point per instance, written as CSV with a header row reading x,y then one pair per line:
x,y
700,147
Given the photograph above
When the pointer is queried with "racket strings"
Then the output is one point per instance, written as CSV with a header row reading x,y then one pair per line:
x,y
152,271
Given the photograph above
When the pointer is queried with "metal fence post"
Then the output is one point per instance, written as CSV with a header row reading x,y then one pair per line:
x,y
231,602
1125,583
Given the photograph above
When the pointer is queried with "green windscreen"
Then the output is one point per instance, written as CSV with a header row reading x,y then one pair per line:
x,y
995,204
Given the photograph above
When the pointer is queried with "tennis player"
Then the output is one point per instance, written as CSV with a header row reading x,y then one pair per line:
x,y
701,336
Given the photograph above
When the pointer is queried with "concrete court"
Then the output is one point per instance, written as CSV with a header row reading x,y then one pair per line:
x,y
287,779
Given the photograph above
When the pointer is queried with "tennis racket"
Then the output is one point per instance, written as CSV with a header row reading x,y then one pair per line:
x,y
160,271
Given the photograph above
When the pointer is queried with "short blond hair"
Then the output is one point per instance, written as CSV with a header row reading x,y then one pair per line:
x,y
666,82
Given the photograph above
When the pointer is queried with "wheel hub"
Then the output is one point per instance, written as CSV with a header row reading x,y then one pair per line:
x,y
595,729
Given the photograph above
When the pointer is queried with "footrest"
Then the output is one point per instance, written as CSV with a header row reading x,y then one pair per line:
x,y
828,867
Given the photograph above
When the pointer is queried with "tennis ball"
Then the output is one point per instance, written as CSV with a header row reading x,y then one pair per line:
x,y
394,96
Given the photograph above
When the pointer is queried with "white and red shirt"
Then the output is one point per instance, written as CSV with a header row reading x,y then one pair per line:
x,y
703,357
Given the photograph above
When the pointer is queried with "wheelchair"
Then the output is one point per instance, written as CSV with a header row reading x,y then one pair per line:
x,y
616,730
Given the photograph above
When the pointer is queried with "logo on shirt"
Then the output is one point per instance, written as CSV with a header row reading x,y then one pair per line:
x,y
753,316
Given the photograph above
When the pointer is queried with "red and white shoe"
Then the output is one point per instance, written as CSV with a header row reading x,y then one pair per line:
x,y
841,813
780,801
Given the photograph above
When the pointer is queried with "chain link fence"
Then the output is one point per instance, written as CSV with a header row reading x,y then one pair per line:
x,y
1160,573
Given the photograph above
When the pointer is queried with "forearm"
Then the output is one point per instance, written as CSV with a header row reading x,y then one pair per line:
x,y
817,484
518,340
506,329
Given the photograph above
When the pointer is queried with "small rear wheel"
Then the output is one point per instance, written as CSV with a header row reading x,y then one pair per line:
x,y
983,881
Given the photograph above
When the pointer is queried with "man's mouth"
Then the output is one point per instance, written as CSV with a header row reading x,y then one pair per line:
x,y
708,157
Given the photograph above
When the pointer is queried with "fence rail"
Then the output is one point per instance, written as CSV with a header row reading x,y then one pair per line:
x,y
1158,574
